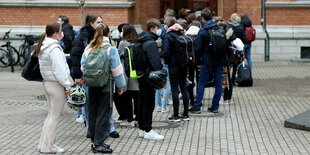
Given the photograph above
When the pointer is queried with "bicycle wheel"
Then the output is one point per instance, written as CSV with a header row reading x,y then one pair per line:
x,y
21,54
4,59
15,54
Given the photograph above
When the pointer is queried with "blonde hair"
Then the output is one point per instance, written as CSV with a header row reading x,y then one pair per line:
x,y
101,31
235,18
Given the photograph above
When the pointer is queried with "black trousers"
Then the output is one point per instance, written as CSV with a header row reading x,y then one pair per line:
x,y
233,78
177,76
133,95
228,92
99,112
146,106
120,102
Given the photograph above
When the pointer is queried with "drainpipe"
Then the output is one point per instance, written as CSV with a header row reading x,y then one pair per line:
x,y
267,39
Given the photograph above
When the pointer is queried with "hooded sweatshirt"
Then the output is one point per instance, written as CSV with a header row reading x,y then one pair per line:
x,y
169,44
150,49
53,65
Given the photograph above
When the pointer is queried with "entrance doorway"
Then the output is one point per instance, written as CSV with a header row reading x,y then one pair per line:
x,y
193,5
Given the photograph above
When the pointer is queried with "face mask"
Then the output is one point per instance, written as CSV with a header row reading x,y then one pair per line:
x,y
121,34
158,32
166,27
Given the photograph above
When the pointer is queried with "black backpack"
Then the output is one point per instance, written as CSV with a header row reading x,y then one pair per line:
x,y
244,78
218,43
184,48
134,61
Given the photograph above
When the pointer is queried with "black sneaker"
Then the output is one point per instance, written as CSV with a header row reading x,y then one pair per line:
x,y
114,134
185,118
174,119
101,149
194,110
213,110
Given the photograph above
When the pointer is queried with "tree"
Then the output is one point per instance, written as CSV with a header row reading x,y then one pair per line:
x,y
81,4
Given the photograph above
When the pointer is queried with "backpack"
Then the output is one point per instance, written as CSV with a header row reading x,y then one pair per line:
x,y
244,78
184,48
97,70
134,61
218,43
250,33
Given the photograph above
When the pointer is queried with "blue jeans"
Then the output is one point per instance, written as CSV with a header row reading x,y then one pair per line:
x,y
85,108
247,51
203,79
165,92
111,124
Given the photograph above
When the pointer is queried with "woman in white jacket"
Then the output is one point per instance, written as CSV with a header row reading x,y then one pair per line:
x,y
56,83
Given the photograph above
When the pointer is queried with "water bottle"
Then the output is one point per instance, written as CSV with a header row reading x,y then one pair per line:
x,y
237,75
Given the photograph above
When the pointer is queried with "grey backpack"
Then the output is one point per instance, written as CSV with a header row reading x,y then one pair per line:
x,y
97,72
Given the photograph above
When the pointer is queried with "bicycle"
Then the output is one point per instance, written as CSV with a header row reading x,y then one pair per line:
x,y
25,50
9,56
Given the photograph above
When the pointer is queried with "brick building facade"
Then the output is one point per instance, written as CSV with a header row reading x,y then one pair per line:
x,y
287,20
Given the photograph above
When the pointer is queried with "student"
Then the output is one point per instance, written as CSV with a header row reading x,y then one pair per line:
x,y
210,64
100,99
246,22
56,83
147,93
129,37
193,30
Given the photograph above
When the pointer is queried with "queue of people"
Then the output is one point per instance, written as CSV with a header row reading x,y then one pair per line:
x,y
189,49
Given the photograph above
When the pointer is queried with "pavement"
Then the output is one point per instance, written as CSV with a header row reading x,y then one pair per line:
x,y
253,124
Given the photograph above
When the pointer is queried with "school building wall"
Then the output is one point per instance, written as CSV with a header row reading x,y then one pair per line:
x,y
287,20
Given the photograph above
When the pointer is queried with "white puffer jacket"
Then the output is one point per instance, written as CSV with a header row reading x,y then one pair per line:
x,y
53,65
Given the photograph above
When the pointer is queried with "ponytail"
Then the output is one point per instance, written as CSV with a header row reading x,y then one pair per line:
x,y
37,49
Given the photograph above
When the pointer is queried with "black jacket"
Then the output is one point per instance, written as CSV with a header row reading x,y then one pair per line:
x,y
150,49
246,22
79,44
169,48
67,29
239,31
202,46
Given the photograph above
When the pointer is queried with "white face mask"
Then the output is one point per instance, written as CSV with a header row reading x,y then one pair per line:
x,y
121,34
158,32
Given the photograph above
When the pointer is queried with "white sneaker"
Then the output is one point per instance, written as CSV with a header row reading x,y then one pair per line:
x,y
141,134
163,110
180,96
158,109
222,99
223,102
153,135
120,121
60,150
170,102
230,102
129,124
80,119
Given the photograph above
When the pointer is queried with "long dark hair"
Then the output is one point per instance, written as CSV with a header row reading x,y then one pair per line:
x,y
91,18
50,29
130,34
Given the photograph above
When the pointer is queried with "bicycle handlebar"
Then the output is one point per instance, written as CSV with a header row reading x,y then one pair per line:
x,y
6,34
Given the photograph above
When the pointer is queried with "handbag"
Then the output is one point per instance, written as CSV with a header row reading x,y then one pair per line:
x,y
157,79
31,71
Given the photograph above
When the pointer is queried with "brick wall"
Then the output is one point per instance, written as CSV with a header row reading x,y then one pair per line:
x,y
252,7
41,16
230,7
288,16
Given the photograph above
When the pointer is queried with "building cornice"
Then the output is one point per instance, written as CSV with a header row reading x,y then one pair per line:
x,y
297,4
67,4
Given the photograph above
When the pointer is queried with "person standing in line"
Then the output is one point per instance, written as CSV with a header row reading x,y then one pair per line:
x,y
177,72
246,22
100,98
56,82
86,35
147,93
129,37
209,65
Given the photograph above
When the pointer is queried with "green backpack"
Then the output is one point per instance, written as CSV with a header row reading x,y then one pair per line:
x,y
97,72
